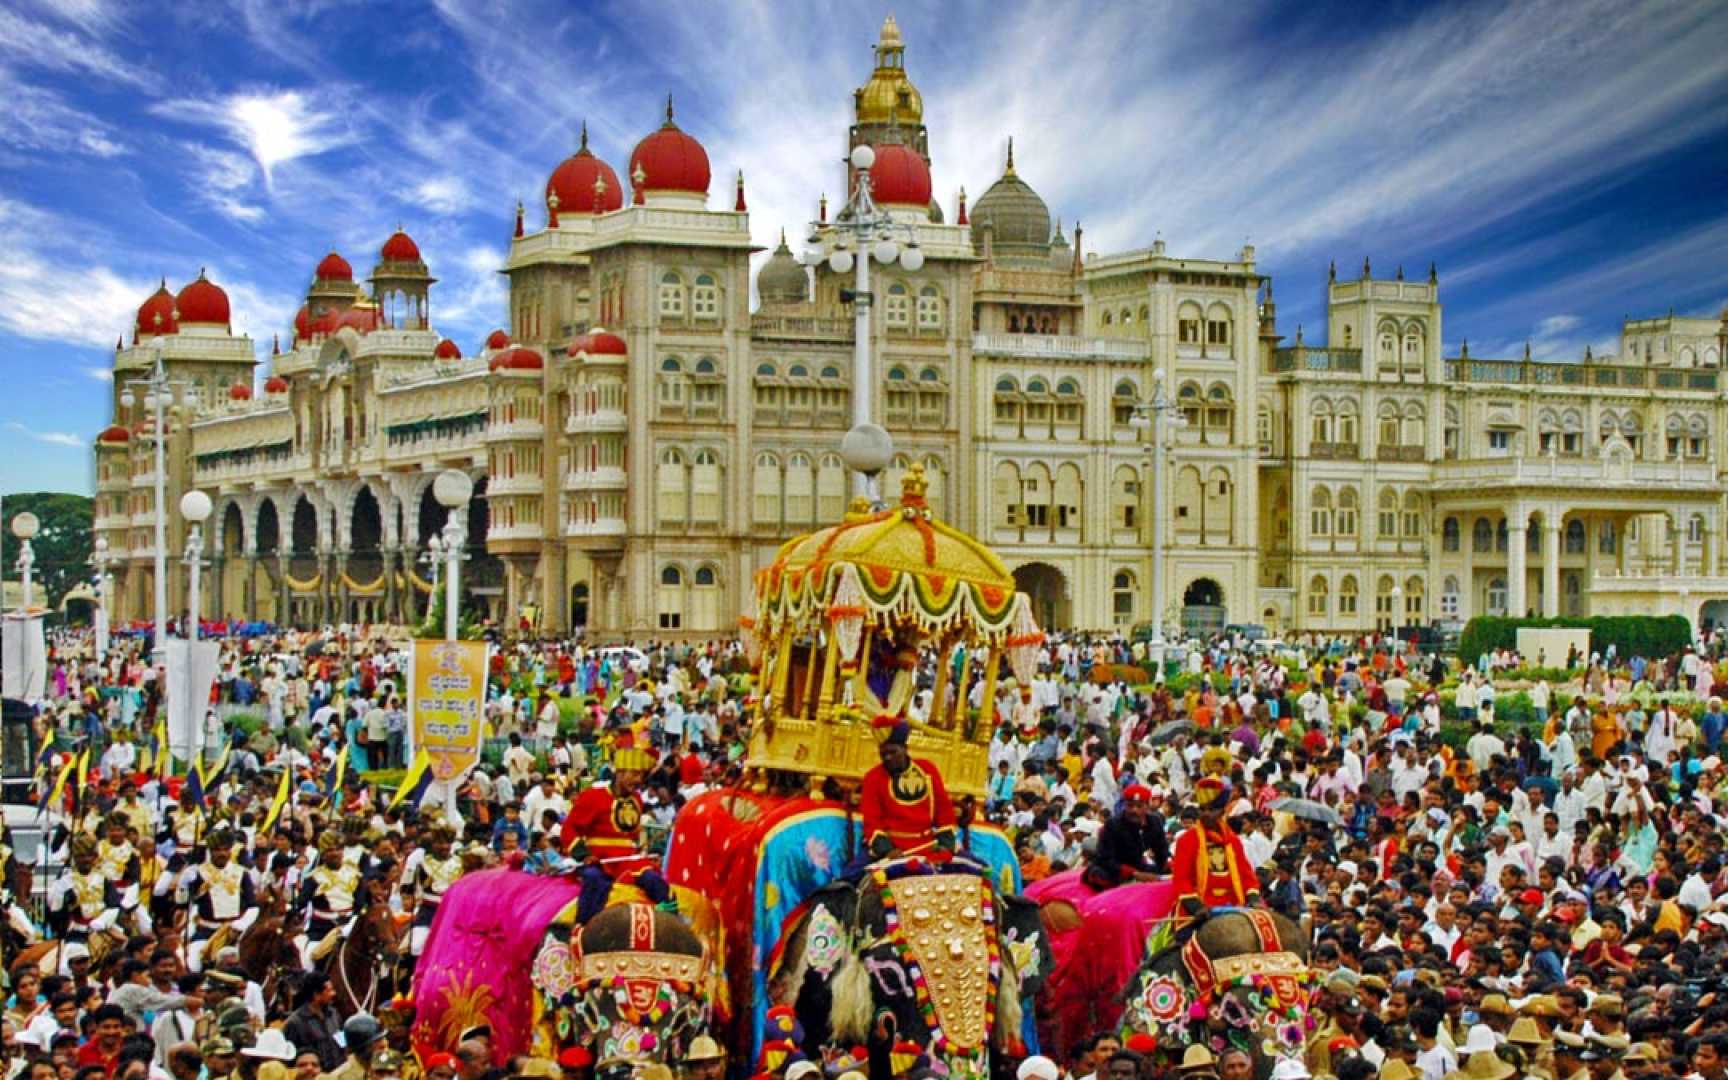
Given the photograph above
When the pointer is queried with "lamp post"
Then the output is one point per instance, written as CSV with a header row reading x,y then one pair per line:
x,y
872,232
154,394
1151,417
452,489
25,527
100,559
195,510
1395,617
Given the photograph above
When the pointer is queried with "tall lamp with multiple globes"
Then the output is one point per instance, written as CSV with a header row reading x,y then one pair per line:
x,y
1152,417
860,232
100,559
25,526
452,489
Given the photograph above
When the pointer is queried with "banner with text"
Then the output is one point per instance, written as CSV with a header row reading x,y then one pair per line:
x,y
446,699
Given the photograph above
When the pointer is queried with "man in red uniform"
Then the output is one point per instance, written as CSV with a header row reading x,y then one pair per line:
x,y
604,831
905,805
1211,870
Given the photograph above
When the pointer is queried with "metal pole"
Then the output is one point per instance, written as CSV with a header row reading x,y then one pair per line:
x,y
26,560
865,392
1157,430
452,570
160,390
194,553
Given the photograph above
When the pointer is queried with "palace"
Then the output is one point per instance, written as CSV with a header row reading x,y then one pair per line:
x,y
642,440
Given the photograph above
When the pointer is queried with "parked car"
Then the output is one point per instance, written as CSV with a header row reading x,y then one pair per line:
x,y
31,833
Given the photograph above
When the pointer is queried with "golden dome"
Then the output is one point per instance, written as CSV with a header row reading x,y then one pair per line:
x,y
889,95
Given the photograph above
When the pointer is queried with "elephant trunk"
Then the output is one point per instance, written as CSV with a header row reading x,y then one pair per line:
x,y
850,1008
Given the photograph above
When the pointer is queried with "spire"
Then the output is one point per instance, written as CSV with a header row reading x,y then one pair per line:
x,y
783,237
1433,274
1058,238
962,219
639,178
1332,272
738,205
1079,236
1009,171
669,120
518,218
1400,271
1526,350
1367,271
584,147
1465,355
822,210
275,344
1298,335
119,342
1588,356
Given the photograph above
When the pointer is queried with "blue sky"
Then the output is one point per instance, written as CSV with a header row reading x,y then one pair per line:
x,y
1563,162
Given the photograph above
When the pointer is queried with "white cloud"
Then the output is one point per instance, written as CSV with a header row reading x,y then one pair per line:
x,y
26,42
53,438
443,194
40,120
1555,325
53,298
100,374
274,128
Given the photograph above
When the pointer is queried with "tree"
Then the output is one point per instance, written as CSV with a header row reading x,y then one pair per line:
x,y
62,546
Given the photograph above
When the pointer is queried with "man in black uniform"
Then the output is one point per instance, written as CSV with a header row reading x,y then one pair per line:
x,y
1127,840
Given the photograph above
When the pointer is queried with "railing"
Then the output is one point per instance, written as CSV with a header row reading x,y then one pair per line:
x,y
600,420
604,478
1060,345
1335,451
801,327
1575,472
1401,453
1561,373
513,430
1303,358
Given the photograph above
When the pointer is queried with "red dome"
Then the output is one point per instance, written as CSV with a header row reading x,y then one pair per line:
x,y
447,350
400,248
203,301
115,434
900,177
669,160
599,343
498,339
161,303
302,324
334,268
520,359
573,183
364,320
275,384
240,392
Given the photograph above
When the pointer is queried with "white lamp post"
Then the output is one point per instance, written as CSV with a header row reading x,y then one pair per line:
x,y
195,510
863,231
452,489
1397,613
155,394
100,560
25,527
1152,417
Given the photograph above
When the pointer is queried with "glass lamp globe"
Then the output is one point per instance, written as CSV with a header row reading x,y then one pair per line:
x,y
195,506
840,262
912,258
886,251
452,488
863,156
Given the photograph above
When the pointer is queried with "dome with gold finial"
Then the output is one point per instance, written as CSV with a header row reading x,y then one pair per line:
x,y
889,93
783,279
1015,215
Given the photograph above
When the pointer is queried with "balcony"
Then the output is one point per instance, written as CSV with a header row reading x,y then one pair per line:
x,y
1401,453
1334,451
496,533
519,484
1060,347
1558,373
518,430
604,478
599,421
1303,358
1575,473
805,328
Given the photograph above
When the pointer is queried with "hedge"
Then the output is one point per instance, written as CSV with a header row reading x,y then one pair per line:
x,y
1631,635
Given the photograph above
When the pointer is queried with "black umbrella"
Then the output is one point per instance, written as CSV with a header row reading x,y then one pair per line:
x,y
1169,729
1309,810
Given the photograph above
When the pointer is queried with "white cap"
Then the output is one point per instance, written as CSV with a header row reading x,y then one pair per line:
x,y
1481,1037
1038,1066
1290,1069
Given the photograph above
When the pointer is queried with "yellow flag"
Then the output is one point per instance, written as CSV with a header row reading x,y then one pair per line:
x,y
213,771
164,756
417,775
280,801
60,782
83,770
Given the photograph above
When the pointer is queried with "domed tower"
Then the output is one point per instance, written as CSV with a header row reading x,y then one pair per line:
x,y
888,109
332,287
401,282
1010,222
783,279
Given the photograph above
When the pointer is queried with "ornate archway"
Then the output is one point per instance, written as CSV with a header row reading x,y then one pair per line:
x,y
1047,588
1203,610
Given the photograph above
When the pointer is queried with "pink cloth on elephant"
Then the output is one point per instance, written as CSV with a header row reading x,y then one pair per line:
x,y
479,958
1090,966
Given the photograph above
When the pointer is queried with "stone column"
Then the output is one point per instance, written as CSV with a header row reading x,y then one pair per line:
x,y
388,557
1550,564
1712,546
1517,538
1677,544
283,612
324,576
339,586
249,589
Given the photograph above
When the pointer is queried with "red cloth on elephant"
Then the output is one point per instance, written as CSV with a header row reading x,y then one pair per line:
x,y
1223,877
909,809
611,826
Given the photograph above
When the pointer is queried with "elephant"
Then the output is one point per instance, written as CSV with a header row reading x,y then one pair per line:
x,y
1239,979
915,952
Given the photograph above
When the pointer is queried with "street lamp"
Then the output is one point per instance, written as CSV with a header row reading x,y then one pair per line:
x,y
195,509
1396,618
860,232
100,559
1152,417
155,394
452,489
866,450
25,527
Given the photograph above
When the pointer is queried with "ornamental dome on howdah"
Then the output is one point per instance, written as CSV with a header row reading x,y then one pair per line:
x,y
1013,215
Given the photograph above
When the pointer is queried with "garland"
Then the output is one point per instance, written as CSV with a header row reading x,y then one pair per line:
x,y
939,1041
375,587
308,585
419,583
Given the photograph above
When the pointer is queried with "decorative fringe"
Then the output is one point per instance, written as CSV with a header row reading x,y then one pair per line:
x,y
304,586
1009,1013
847,612
849,1012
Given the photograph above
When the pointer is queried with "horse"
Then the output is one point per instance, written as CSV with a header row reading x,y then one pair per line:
x,y
359,966
268,954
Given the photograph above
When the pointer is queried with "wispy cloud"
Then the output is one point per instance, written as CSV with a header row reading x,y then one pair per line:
x,y
52,438
443,194
30,43
274,128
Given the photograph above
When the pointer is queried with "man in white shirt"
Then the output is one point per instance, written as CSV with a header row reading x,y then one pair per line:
x,y
1104,788
543,798
1483,748
1569,804
1443,929
1259,844
1695,890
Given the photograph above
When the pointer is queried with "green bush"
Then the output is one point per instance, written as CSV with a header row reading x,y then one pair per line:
x,y
246,723
1631,635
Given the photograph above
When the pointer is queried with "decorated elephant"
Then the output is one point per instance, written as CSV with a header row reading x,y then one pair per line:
x,y
914,952
1240,980
633,984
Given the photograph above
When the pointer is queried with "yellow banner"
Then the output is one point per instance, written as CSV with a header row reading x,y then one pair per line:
x,y
446,697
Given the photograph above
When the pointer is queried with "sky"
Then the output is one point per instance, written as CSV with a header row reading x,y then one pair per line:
x,y
1561,161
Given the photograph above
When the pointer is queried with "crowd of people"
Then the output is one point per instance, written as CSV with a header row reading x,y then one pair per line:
x,y
1497,874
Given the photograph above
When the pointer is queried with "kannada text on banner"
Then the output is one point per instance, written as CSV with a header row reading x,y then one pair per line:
x,y
445,703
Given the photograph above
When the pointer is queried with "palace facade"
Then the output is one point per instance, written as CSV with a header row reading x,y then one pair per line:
x,y
643,439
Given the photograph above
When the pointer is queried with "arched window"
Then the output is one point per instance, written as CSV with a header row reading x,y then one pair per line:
x,y
799,371
929,308
898,311
1218,325
929,375
1386,515
671,488
831,372
1220,410
1450,534
1497,596
1320,419
830,488
1122,594
896,374
1007,497
1347,430
1320,512
705,488
1068,498
1188,324
765,371
800,490
671,365
1391,425
671,295
705,297
935,485
1449,433
1387,354
1122,403
1125,499
1347,505
705,600
1263,428
1318,601
765,491
670,600
1347,594
705,366
1449,604
1415,523
1606,540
